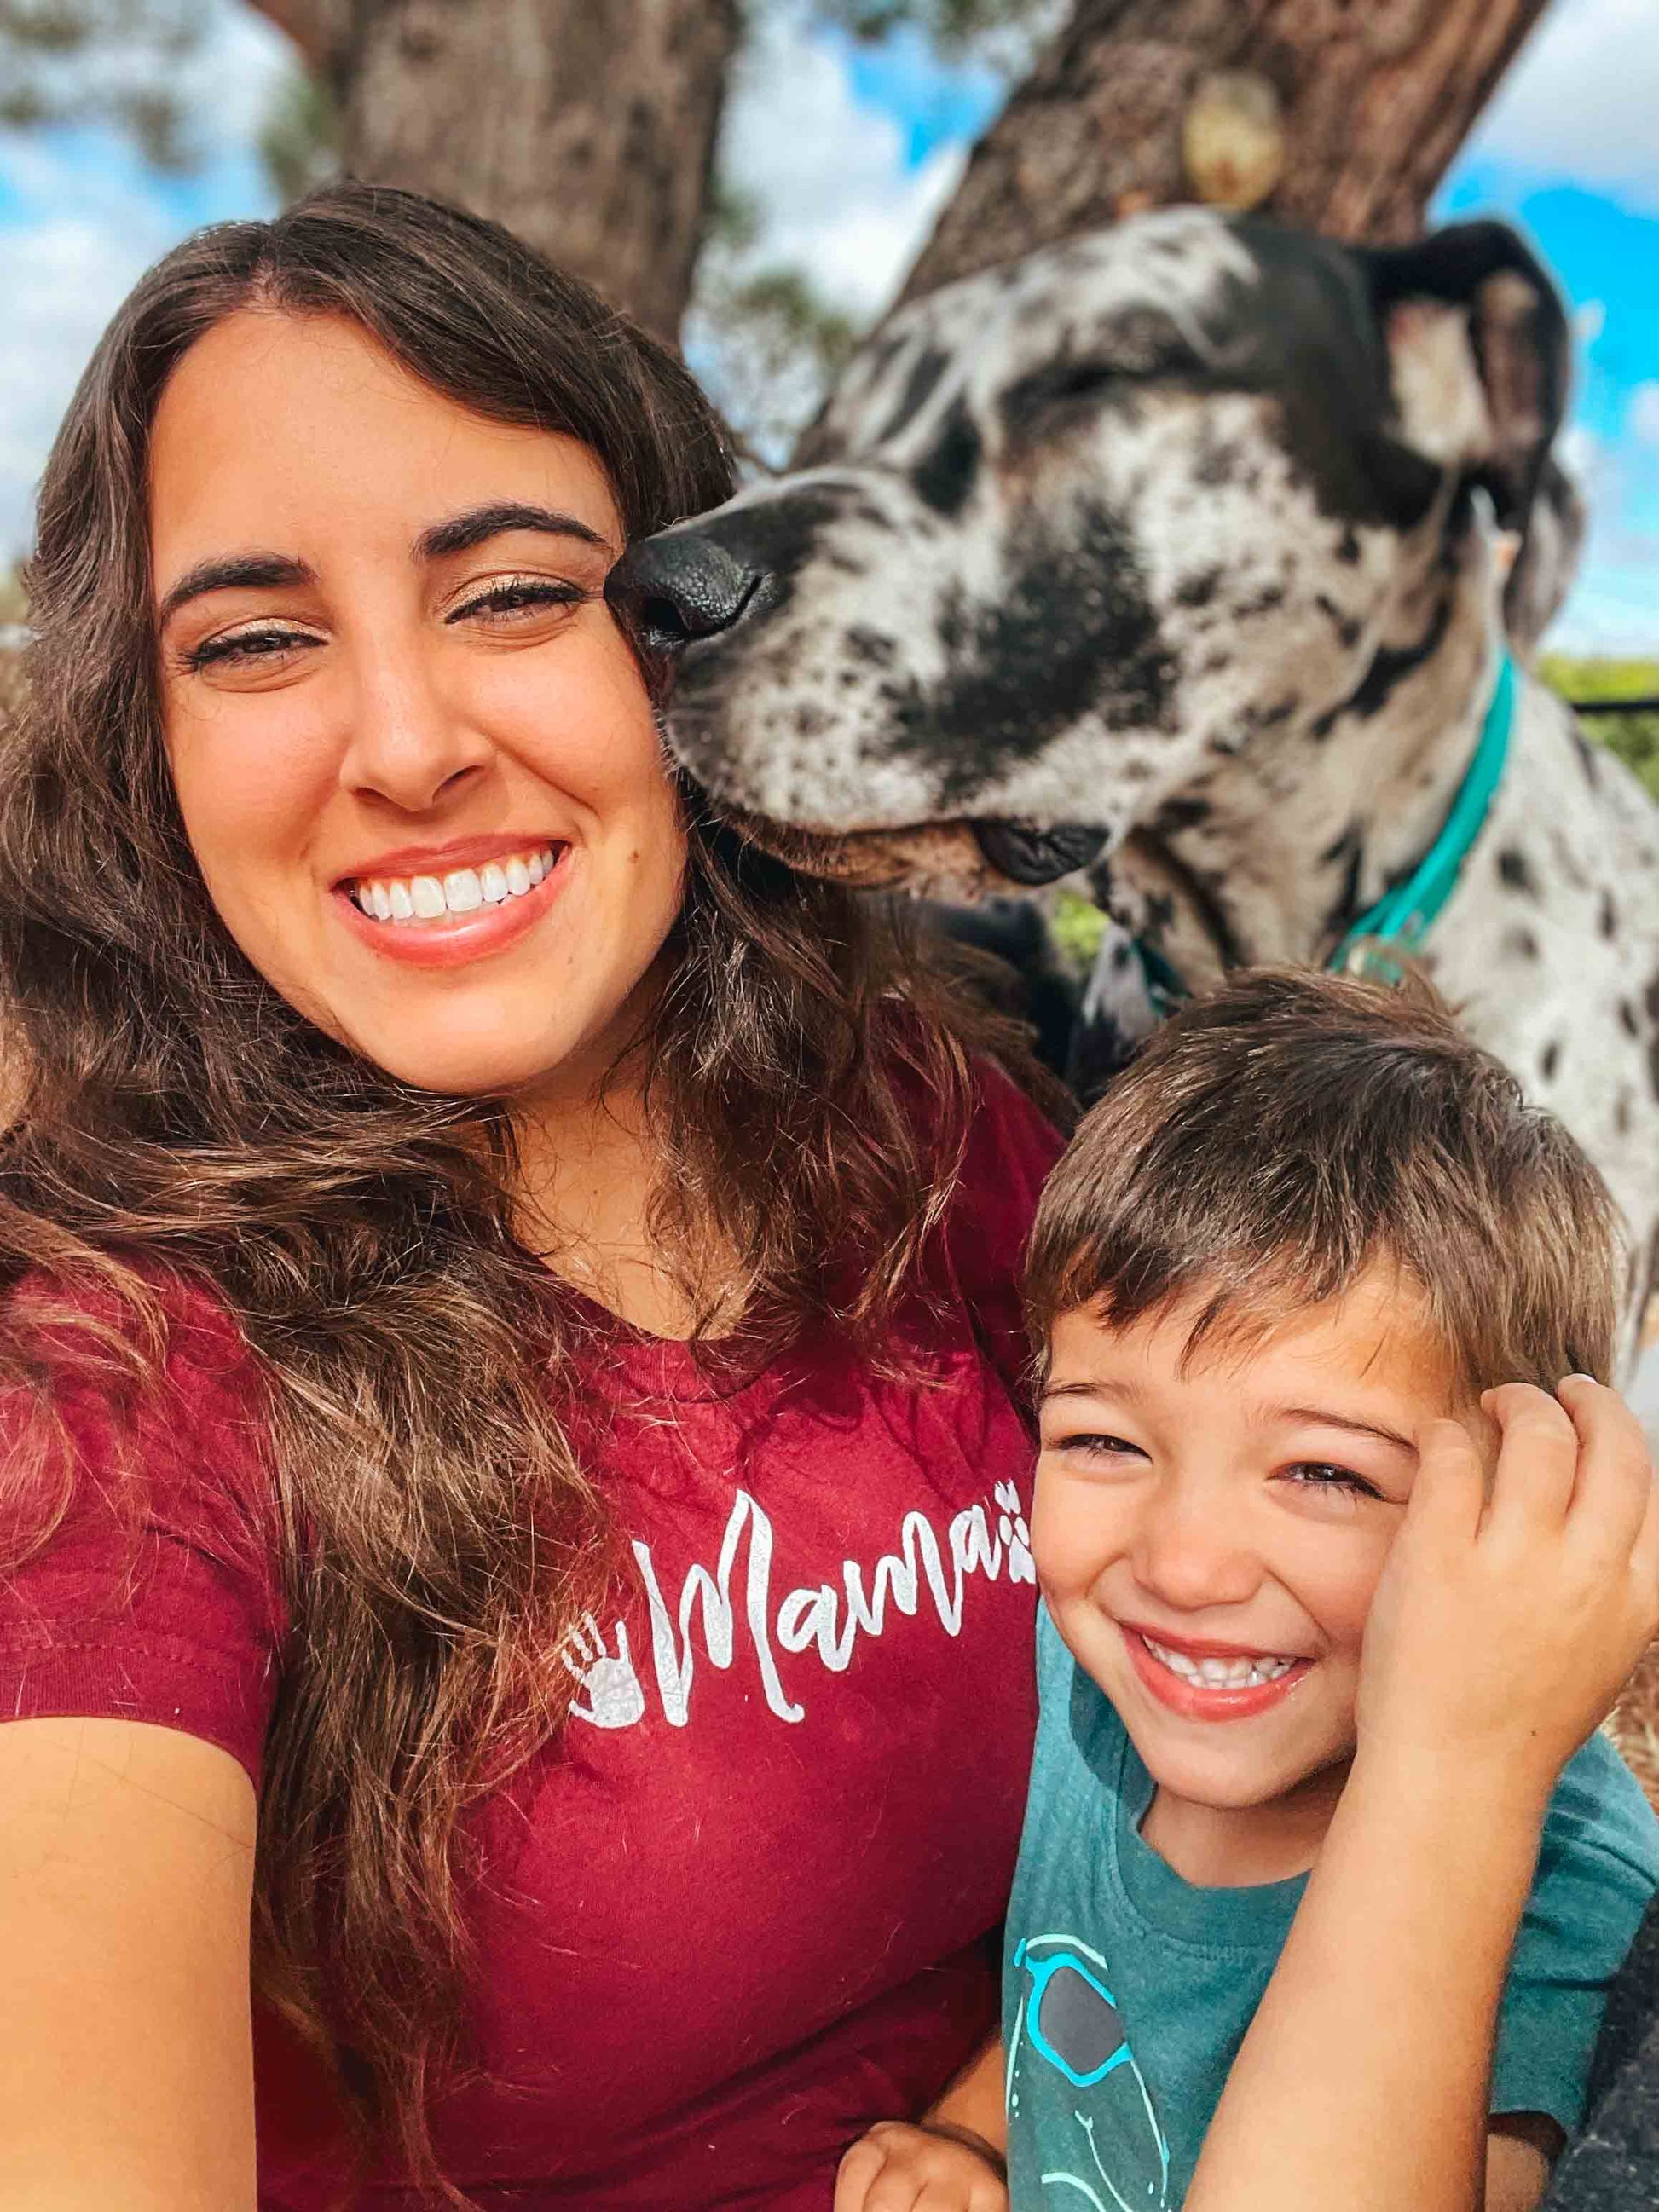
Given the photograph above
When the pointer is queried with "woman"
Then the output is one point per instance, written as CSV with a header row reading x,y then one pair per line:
x,y
514,1367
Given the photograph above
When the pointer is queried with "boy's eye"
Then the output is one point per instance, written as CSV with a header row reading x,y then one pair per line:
x,y
1321,1476
1093,1443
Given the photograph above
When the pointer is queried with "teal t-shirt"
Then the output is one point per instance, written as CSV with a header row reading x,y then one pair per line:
x,y
1126,1991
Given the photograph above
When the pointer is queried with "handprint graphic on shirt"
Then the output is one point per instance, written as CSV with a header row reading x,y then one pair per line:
x,y
612,1688
1015,1536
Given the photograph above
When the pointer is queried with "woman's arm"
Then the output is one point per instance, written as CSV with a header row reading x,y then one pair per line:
x,y
1499,1637
126,2071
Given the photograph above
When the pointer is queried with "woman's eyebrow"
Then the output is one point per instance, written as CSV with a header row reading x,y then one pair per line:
x,y
461,532
228,572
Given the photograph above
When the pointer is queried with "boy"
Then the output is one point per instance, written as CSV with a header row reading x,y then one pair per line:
x,y
1278,1280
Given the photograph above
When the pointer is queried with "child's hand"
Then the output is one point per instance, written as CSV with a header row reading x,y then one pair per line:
x,y
1504,1625
895,2169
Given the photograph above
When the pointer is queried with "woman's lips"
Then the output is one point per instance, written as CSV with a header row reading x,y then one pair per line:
x,y
453,941
1204,1701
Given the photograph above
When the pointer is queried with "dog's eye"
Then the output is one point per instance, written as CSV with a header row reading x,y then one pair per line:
x,y
1060,385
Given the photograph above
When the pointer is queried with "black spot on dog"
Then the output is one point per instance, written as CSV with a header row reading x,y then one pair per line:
x,y
1269,597
1348,627
1256,718
871,647
873,517
1073,632
1347,546
1391,668
945,475
1621,1114
1549,1060
811,721
1216,463
1514,870
919,387
1627,1018
1184,811
1521,943
1608,920
1198,589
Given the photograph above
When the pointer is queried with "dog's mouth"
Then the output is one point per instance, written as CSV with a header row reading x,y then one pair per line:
x,y
1031,856
964,857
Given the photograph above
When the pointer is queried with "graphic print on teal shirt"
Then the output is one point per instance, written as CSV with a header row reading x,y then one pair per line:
x,y
1071,2072
1126,1991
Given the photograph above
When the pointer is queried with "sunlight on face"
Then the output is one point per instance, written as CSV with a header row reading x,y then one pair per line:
x,y
414,755
1209,1532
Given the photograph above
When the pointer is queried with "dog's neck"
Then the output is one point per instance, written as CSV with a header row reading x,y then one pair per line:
x,y
1277,849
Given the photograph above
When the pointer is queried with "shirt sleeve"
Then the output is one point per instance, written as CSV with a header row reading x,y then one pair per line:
x,y
1598,1866
153,1593
1012,1148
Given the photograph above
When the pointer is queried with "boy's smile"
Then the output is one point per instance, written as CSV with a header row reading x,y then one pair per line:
x,y
1209,1529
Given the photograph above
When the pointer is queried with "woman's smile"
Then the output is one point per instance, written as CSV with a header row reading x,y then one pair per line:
x,y
452,905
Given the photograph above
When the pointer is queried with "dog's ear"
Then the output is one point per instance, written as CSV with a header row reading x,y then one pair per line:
x,y
1479,355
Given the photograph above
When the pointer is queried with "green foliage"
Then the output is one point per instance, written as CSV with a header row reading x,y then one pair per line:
x,y
1077,925
950,27
1634,737
113,61
764,339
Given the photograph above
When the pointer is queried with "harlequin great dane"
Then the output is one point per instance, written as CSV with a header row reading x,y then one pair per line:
x,y
1176,545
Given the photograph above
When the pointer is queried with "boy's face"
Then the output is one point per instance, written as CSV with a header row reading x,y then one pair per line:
x,y
1209,1530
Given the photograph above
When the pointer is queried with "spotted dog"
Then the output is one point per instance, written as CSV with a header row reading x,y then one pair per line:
x,y
1175,549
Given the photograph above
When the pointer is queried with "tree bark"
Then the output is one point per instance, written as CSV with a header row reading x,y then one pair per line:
x,y
1373,98
586,126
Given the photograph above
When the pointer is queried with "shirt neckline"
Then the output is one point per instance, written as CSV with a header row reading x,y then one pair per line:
x,y
1254,1917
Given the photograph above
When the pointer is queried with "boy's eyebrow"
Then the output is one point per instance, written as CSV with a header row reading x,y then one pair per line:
x,y
1325,1419
1084,1390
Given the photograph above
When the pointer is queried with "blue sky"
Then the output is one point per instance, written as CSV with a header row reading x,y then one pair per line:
x,y
851,152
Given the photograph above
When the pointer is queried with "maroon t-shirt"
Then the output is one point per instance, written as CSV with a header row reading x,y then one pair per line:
x,y
746,1905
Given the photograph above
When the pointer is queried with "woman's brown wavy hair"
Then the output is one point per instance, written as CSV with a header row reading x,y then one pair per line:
x,y
176,1119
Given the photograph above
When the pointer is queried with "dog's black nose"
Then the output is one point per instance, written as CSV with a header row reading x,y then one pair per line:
x,y
681,586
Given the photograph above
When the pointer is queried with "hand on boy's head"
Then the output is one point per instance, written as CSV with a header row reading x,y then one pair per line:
x,y
897,2168
1512,1609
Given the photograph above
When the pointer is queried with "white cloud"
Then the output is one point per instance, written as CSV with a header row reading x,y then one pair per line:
x,y
1581,98
828,176
1642,417
61,280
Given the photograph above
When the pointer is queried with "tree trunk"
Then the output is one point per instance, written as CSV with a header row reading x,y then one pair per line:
x,y
586,126
1339,114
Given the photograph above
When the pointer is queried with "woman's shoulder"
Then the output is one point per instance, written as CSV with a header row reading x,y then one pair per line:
x,y
139,1530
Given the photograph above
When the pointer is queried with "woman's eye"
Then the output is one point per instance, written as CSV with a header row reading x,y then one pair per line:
x,y
245,647
518,595
1321,1476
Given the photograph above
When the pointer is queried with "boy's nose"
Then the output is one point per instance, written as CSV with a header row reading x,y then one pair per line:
x,y
1186,1555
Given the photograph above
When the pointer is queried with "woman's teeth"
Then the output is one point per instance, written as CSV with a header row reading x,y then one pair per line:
x,y
1219,1673
463,891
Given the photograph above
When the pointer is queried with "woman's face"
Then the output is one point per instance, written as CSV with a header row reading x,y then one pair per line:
x,y
414,755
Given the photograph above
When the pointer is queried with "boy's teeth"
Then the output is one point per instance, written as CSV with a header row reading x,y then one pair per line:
x,y
463,891
1241,1674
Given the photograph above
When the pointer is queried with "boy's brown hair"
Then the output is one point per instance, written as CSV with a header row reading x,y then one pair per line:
x,y
1275,1138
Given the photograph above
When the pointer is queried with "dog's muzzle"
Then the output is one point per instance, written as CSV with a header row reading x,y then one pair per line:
x,y
686,585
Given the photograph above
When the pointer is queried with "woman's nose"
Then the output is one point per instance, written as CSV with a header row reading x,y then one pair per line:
x,y
1186,1553
408,741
